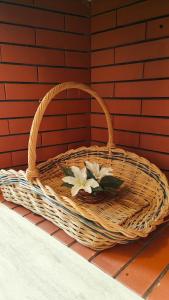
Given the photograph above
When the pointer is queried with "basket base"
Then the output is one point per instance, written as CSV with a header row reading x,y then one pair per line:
x,y
93,199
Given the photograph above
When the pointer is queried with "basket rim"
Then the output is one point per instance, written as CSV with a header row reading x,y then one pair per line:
x,y
118,149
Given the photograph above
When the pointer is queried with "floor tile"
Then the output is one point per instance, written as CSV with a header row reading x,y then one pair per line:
x,y
1,197
34,218
10,204
112,260
63,237
143,271
83,251
161,291
48,227
22,210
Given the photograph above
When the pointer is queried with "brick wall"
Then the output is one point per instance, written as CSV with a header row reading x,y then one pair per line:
x,y
130,69
42,42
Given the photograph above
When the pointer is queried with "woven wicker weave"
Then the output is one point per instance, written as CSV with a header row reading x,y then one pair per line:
x,y
128,217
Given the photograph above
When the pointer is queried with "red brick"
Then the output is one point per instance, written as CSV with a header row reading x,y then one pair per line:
x,y
98,121
17,73
142,124
20,125
104,89
67,136
23,167
11,205
112,260
27,91
78,42
160,291
158,28
142,11
35,219
103,57
62,75
150,263
62,40
68,107
159,159
83,251
116,73
19,157
119,106
75,59
76,145
98,6
5,160
17,34
30,55
76,7
120,36
76,93
1,198
126,138
15,109
21,15
142,51
154,142
45,153
120,137
22,210
63,237
155,107
78,120
48,227
2,92
8,143
77,24
166,174
157,88
23,1
48,123
157,69
103,22
4,127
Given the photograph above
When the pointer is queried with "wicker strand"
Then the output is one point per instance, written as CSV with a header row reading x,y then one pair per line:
x,y
32,171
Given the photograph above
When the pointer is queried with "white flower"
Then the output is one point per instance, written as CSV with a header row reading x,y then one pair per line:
x,y
97,171
80,181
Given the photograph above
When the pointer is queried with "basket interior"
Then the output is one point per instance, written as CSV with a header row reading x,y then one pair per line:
x,y
136,209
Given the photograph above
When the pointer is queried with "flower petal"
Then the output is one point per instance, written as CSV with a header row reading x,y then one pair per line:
x,y
76,171
69,179
96,168
92,182
93,167
75,189
104,172
87,189
84,173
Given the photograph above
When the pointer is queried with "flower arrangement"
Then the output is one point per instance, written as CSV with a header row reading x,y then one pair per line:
x,y
92,182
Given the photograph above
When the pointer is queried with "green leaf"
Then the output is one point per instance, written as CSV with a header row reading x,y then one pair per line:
x,y
89,174
97,189
110,181
67,184
68,172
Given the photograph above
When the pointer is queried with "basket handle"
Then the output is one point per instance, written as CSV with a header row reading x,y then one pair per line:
x,y
32,171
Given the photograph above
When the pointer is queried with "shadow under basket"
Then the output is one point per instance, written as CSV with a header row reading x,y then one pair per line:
x,y
99,226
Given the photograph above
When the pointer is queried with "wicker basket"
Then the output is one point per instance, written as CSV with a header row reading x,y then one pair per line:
x,y
98,226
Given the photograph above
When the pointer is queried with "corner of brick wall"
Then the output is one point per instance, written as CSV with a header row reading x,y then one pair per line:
x,y
130,69
46,42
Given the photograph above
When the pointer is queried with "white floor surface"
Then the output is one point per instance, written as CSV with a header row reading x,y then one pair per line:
x,y
35,266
